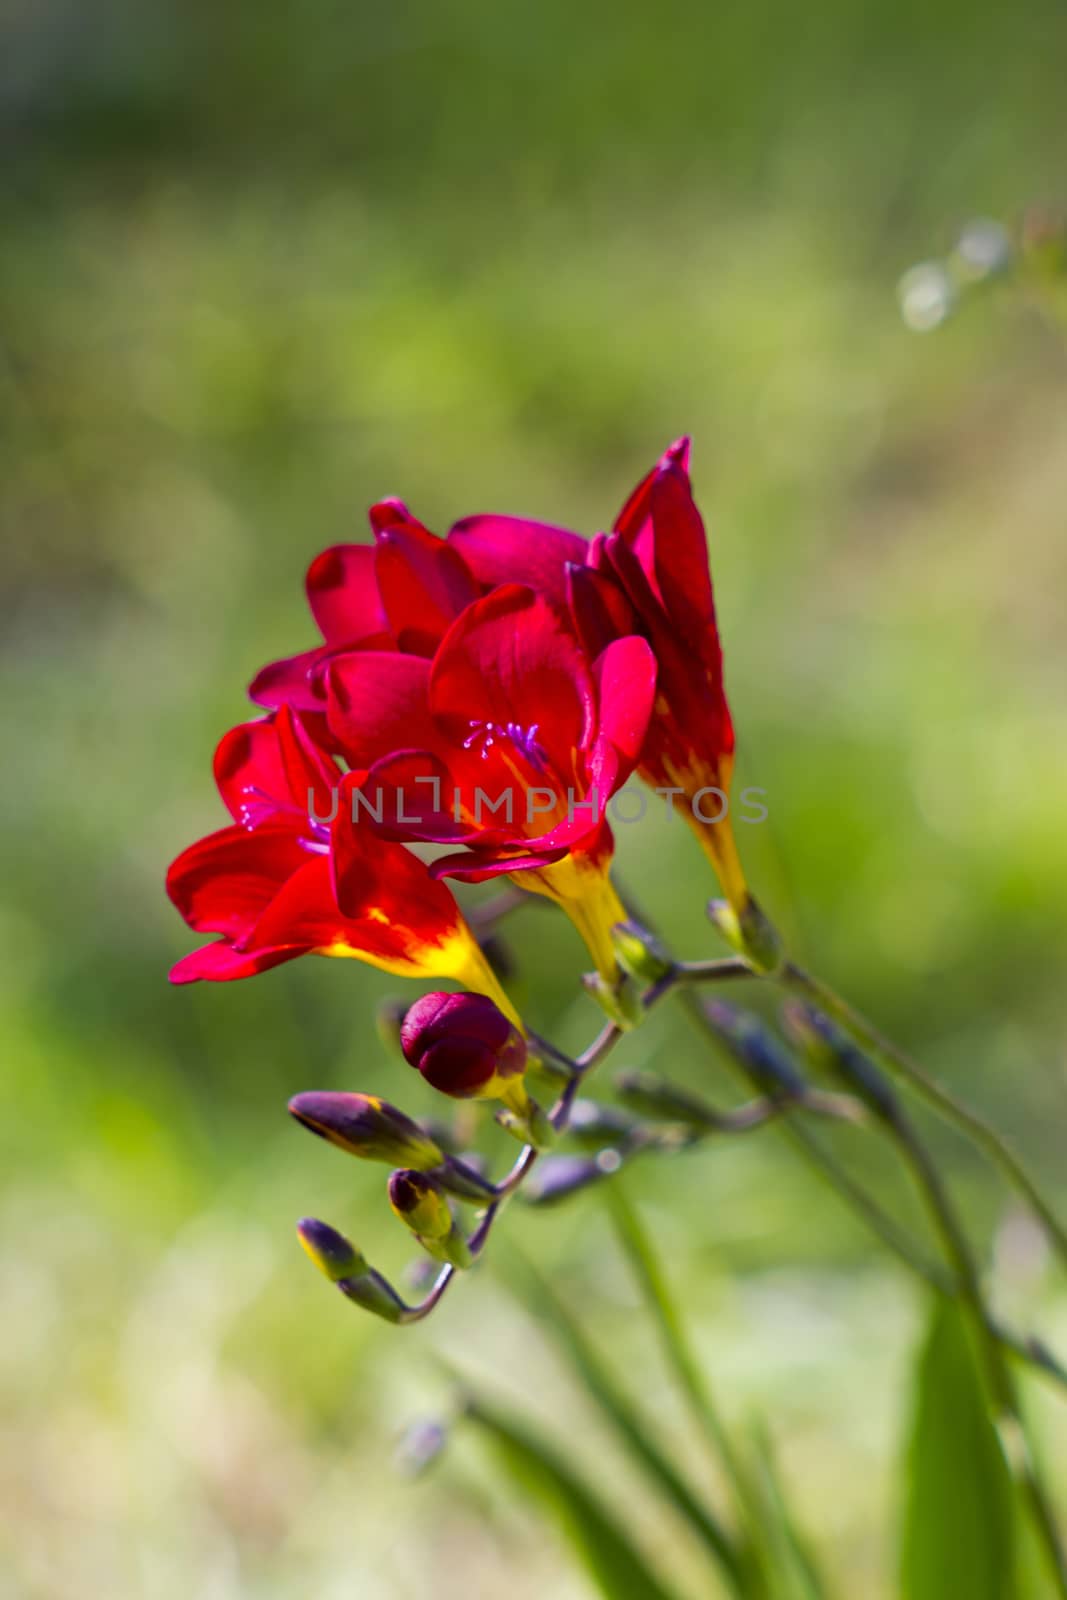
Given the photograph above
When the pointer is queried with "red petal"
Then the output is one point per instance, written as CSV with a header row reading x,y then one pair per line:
x,y
598,607
374,876
312,777
343,595
398,917
392,513
635,519
423,582
378,703
680,553
470,866
291,681
250,772
407,795
626,689
511,661
516,550
220,962
223,883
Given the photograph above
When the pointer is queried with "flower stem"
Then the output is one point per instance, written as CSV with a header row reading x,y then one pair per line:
x,y
901,1067
640,1253
885,1228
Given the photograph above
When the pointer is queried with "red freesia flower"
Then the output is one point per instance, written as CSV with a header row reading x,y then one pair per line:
x,y
280,881
401,593
649,576
509,742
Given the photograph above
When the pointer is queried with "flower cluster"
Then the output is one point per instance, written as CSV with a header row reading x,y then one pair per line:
x,y
488,692
474,704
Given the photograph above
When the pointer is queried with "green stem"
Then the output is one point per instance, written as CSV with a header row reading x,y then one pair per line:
x,y
883,1226
900,1066
646,1267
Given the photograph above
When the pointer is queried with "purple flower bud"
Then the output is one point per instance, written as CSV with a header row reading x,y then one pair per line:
x,y
558,1177
463,1045
331,1252
422,1206
366,1126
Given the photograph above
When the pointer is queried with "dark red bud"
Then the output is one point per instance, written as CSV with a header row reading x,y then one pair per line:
x,y
462,1044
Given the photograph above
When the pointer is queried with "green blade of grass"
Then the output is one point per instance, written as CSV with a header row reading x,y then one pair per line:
x,y
801,1574
542,1301
611,1558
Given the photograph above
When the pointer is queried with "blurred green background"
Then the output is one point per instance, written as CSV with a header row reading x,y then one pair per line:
x,y
264,265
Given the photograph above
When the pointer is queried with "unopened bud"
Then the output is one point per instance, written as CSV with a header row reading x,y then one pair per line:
x,y
640,953
657,1097
342,1263
334,1255
366,1126
463,1045
830,1051
421,1204
528,1123
592,1124
559,1177
755,1049
750,932
620,1000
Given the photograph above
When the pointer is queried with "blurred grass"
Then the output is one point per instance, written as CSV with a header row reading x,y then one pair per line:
x,y
258,271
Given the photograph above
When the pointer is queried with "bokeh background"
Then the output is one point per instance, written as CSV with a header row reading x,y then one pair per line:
x,y
264,265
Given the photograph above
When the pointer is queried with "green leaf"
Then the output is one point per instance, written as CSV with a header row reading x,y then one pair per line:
x,y
539,1296
613,1561
798,1574
959,1523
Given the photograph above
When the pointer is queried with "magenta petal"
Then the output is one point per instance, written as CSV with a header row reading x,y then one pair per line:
x,y
501,549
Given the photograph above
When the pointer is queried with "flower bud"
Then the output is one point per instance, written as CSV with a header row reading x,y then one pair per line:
x,y
421,1205
619,1000
366,1126
559,1177
657,1097
464,1046
334,1255
828,1050
640,953
530,1124
594,1125
342,1263
750,932
755,1048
